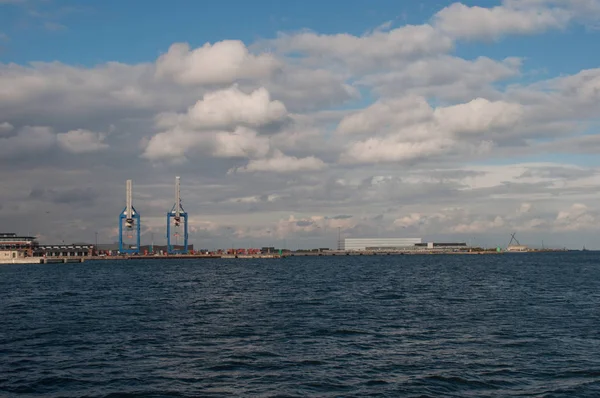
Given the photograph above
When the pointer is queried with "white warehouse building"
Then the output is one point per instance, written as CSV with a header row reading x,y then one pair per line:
x,y
378,243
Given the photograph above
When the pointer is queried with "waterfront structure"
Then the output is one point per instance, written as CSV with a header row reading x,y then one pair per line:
x,y
361,244
74,250
15,249
129,223
176,216
10,241
17,257
6,255
517,248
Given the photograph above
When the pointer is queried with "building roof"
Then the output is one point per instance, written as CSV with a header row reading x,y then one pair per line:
x,y
12,235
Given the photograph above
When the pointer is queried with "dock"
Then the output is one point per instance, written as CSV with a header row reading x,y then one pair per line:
x,y
181,256
328,253
282,255
384,253
163,256
64,260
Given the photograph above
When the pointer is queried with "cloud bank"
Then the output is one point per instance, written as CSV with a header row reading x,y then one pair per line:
x,y
274,140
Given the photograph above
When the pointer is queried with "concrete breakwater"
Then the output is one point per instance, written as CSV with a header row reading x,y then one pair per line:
x,y
74,259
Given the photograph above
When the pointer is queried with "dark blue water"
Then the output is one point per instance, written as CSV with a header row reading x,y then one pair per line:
x,y
422,326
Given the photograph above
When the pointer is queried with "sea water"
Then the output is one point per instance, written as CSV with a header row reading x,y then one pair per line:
x,y
425,326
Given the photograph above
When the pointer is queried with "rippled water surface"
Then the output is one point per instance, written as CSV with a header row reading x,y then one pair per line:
x,y
498,325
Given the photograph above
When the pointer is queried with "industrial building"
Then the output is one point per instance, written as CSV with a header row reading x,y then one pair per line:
x,y
357,244
399,244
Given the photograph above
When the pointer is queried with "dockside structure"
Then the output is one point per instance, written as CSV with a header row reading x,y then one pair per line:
x,y
378,243
12,242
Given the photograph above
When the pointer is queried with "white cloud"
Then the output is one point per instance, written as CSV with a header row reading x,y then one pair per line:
x,y
479,226
383,114
447,77
5,128
171,144
223,62
306,88
578,217
176,144
479,116
375,50
28,141
409,129
462,221
461,21
280,163
225,108
583,86
81,141
69,97
222,124
293,225
476,116
395,149
254,199
243,143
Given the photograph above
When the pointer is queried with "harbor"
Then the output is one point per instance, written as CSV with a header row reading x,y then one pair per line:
x,y
15,249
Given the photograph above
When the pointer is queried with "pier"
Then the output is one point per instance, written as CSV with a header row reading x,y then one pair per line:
x,y
182,256
384,253
282,255
330,253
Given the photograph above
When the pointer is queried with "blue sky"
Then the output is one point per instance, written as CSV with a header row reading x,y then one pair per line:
x,y
135,31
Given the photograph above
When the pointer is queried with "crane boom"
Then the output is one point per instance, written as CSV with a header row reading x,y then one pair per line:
x,y
179,216
177,198
129,201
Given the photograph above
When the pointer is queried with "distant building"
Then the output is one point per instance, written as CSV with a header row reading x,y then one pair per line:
x,y
517,248
359,244
75,250
12,242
